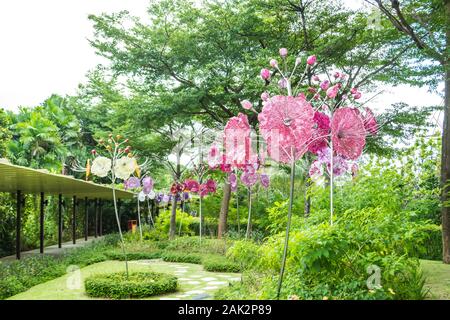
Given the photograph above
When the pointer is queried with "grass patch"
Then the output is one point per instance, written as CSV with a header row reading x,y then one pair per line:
x,y
437,279
118,255
137,285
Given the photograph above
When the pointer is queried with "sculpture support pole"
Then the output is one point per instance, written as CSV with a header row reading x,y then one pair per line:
x,y
139,217
288,227
247,234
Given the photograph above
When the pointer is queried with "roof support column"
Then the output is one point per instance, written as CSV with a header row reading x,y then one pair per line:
x,y
86,219
74,220
60,226
101,217
96,218
41,224
18,222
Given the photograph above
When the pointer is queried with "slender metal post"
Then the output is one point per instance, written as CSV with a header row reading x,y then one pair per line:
x,y
249,219
41,223
288,227
86,219
96,218
60,227
139,218
18,222
74,220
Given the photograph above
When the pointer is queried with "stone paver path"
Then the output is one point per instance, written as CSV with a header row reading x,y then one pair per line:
x,y
194,283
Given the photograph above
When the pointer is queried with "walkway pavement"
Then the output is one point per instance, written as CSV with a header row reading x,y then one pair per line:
x,y
53,250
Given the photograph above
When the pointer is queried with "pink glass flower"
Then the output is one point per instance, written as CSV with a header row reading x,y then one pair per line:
x,y
348,133
286,124
247,105
316,169
319,139
333,91
273,63
265,74
203,190
282,83
370,123
265,96
325,85
311,60
237,141
298,60
214,156
283,52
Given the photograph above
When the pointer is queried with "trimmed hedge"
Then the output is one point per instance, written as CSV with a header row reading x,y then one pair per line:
x,y
220,264
174,256
138,285
115,255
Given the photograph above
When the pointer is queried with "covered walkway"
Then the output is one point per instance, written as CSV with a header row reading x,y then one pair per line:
x,y
23,180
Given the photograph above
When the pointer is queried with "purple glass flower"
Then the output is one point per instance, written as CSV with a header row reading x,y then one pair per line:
x,y
249,179
265,180
147,184
132,183
165,198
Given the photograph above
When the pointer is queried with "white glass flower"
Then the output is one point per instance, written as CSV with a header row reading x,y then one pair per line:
x,y
124,167
141,196
152,195
101,166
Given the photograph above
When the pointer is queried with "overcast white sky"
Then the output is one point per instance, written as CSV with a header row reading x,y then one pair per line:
x,y
44,50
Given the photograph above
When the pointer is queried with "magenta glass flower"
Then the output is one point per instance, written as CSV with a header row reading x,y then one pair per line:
x,y
214,156
211,185
319,139
286,124
192,186
348,133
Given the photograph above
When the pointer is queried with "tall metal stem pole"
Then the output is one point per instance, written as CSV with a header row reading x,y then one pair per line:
x,y
249,219
118,224
139,217
288,227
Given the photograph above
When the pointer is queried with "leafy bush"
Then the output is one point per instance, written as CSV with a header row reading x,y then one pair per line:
x,y
137,285
173,256
220,264
245,253
333,261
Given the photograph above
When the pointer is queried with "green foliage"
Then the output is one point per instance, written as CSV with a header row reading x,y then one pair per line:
x,y
162,225
118,255
136,285
246,253
5,133
220,264
173,256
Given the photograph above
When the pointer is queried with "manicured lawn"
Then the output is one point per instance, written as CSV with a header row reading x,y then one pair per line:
x,y
437,277
193,281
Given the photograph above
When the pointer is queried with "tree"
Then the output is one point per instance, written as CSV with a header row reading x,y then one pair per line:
x,y
5,133
200,62
426,25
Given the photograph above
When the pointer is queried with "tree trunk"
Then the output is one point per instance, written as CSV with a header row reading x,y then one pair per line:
x,y
445,173
173,218
224,210
307,206
445,157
